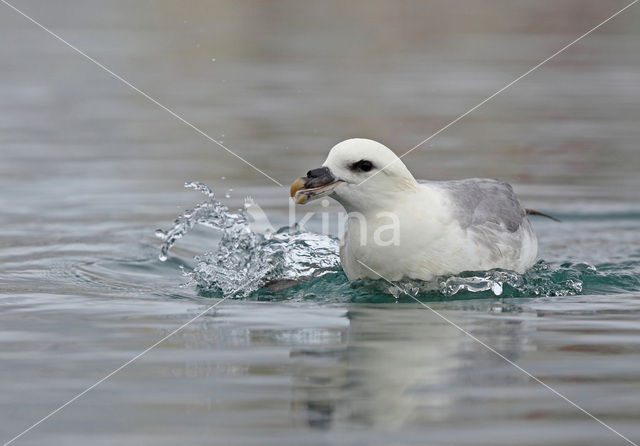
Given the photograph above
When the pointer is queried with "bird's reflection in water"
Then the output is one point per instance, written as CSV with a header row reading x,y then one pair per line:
x,y
400,365
318,380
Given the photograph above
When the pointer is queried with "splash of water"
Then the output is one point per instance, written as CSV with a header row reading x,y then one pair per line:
x,y
245,261
541,280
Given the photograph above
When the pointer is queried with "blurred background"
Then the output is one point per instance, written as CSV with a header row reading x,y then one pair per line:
x,y
281,82
89,168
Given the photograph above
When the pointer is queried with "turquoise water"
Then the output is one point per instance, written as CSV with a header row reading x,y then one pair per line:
x,y
89,170
299,264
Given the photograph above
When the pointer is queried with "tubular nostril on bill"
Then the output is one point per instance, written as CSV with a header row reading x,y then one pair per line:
x,y
315,173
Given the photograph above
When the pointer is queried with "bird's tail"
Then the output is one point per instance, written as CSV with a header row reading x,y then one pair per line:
x,y
542,214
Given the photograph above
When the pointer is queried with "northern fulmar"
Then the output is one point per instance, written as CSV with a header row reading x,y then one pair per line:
x,y
399,227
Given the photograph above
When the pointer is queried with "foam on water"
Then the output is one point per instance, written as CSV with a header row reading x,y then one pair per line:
x,y
285,264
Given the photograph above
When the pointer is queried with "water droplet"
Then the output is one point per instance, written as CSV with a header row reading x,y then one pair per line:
x,y
246,260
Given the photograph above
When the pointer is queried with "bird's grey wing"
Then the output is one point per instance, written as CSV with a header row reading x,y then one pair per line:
x,y
482,202
492,217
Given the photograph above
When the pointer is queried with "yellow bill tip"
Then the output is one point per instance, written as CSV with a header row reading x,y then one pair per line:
x,y
297,185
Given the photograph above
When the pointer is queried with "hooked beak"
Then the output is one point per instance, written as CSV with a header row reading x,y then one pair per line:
x,y
318,183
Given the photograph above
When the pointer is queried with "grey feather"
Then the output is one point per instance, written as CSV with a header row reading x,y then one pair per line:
x,y
481,201
491,214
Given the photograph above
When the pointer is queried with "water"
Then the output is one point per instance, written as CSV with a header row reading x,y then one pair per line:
x,y
89,169
248,262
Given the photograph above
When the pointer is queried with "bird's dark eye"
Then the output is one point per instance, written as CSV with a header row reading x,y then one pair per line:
x,y
362,165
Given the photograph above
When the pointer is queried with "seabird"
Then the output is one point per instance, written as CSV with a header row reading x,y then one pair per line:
x,y
399,227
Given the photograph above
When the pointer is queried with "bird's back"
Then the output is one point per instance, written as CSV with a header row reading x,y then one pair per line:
x,y
478,201
491,217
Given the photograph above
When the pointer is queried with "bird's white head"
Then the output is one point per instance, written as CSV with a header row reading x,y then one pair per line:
x,y
360,173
